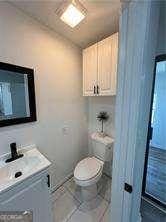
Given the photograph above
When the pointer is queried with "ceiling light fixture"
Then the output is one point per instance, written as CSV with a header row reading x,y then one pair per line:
x,y
72,13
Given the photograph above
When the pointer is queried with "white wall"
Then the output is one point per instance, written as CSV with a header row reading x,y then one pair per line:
x,y
58,82
96,105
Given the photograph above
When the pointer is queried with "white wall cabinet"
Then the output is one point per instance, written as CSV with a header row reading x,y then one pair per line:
x,y
100,67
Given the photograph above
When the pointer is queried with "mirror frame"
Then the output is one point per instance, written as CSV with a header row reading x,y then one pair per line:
x,y
31,93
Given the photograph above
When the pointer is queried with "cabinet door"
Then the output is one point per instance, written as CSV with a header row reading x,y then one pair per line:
x,y
114,62
35,197
107,65
89,70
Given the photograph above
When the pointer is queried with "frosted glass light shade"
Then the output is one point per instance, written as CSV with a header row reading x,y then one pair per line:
x,y
72,16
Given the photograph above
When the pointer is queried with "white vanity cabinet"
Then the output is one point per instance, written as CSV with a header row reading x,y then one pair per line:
x,y
31,194
100,67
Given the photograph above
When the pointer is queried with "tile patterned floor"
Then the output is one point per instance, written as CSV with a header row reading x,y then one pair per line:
x,y
156,174
69,207
151,214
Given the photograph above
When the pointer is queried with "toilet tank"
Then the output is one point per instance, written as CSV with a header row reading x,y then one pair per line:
x,y
102,146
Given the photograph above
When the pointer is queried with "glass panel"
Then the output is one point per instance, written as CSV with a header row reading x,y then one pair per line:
x,y
14,98
156,169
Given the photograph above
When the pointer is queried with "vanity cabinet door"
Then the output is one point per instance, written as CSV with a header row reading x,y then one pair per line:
x,y
90,71
34,197
107,65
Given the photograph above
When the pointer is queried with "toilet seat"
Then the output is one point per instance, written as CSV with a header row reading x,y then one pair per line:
x,y
88,171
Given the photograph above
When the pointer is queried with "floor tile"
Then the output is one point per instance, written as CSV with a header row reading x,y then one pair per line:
x,y
91,211
58,193
156,174
74,189
64,207
151,214
104,187
107,215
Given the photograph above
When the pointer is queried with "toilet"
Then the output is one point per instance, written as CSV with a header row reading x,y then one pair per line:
x,y
89,170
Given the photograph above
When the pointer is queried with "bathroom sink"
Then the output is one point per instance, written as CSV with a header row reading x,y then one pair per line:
x,y
18,170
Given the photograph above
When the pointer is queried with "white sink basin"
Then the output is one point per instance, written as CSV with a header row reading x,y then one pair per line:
x,y
31,163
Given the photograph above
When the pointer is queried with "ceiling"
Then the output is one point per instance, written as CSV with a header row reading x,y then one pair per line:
x,y
101,21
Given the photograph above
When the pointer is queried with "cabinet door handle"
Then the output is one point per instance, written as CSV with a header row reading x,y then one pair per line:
x,y
48,180
97,89
94,89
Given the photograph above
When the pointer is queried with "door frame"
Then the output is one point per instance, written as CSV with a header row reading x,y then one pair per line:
x,y
159,58
135,67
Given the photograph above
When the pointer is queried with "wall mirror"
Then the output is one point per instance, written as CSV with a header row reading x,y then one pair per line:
x,y
17,95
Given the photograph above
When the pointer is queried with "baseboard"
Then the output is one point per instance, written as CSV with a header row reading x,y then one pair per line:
x,y
61,182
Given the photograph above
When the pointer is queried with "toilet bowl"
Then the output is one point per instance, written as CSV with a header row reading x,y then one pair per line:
x,y
86,174
89,170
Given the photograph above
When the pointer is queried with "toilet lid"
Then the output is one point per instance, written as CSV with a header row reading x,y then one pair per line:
x,y
87,168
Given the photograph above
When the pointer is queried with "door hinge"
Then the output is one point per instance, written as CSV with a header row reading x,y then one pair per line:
x,y
150,132
128,188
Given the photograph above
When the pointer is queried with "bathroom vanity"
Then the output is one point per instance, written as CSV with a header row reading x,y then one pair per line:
x,y
30,191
